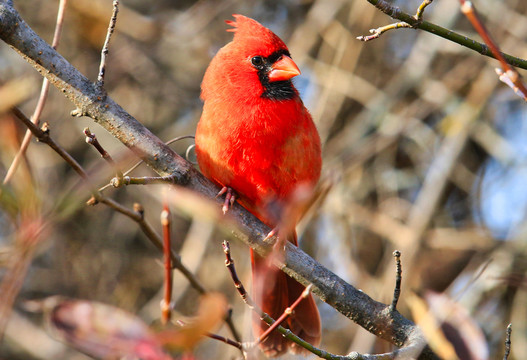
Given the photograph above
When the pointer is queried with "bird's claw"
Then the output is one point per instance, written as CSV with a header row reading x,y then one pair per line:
x,y
279,243
272,233
230,198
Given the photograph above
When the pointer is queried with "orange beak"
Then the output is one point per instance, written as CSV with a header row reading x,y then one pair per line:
x,y
283,69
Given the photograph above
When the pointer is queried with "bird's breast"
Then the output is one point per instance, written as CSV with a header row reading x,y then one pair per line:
x,y
262,151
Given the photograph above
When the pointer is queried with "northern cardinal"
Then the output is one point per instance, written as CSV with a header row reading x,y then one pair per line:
x,y
256,137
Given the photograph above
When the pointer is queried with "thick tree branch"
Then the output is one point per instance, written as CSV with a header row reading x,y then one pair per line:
x,y
92,101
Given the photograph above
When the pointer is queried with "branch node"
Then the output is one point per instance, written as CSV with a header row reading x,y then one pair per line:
x,y
421,9
78,112
508,75
45,133
92,201
92,140
138,208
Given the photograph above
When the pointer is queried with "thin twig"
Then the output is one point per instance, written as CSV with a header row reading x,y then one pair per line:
x,y
396,13
229,263
92,140
379,31
421,9
236,344
407,352
43,136
228,341
507,74
104,52
142,180
166,302
136,215
136,165
287,312
398,278
508,343
35,118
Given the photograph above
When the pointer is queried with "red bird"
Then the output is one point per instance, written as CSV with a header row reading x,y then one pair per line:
x,y
256,137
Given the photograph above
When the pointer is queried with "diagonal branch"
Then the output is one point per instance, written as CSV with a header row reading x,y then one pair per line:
x,y
92,101
396,13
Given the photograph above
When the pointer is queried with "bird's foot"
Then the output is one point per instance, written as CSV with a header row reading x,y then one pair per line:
x,y
279,241
271,234
230,198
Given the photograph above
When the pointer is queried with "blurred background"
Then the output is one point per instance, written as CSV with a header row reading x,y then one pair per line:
x,y
425,149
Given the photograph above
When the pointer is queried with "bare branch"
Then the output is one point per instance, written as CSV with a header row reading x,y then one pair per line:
x,y
92,140
507,74
42,135
421,9
396,13
104,52
379,31
398,278
165,305
287,312
137,214
508,342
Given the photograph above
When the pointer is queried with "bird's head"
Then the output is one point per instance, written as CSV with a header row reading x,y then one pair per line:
x,y
256,62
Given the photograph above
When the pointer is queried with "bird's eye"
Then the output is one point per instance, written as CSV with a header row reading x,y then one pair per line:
x,y
257,61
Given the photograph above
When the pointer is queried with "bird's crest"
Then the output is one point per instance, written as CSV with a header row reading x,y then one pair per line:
x,y
245,28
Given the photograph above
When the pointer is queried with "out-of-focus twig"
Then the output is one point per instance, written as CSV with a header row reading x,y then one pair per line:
x,y
507,73
35,118
223,339
166,310
27,238
137,215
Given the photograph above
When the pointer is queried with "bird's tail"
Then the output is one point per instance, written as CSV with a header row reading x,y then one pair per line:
x,y
274,291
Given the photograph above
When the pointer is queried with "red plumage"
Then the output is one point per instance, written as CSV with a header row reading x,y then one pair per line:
x,y
256,137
